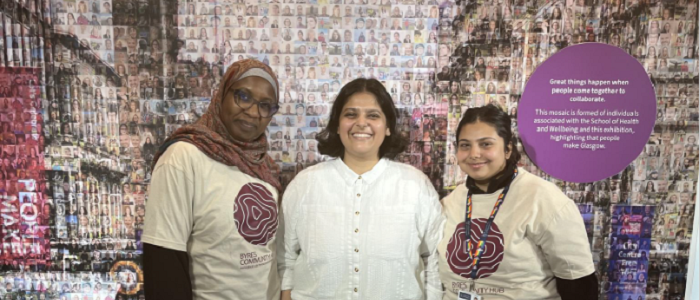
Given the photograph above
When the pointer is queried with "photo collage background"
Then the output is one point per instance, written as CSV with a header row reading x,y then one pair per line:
x,y
90,89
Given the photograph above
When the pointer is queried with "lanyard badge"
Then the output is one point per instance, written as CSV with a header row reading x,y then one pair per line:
x,y
462,295
475,254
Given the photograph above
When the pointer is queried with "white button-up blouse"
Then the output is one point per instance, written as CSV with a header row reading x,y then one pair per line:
x,y
372,236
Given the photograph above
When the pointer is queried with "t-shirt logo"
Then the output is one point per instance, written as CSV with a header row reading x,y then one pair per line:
x,y
255,214
458,259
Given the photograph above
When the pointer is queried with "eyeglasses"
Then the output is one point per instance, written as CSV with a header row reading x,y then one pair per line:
x,y
245,101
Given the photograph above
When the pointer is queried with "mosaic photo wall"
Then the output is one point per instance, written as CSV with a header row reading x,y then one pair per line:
x,y
90,88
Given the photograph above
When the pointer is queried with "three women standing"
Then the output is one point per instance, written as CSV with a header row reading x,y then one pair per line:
x,y
359,226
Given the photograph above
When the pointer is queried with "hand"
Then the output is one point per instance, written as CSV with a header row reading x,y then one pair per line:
x,y
286,295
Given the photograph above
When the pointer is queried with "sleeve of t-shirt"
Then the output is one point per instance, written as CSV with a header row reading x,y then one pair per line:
x,y
564,243
169,220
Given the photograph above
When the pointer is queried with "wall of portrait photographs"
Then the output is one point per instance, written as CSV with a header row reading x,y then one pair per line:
x,y
90,88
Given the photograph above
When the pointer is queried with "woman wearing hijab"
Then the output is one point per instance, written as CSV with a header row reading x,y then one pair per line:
x,y
201,238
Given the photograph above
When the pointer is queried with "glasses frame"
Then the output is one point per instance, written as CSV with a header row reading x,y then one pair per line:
x,y
237,99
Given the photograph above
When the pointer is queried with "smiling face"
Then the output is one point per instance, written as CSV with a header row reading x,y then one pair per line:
x,y
481,152
247,125
362,126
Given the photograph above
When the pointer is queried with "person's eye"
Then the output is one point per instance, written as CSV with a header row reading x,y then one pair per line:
x,y
349,115
243,96
265,106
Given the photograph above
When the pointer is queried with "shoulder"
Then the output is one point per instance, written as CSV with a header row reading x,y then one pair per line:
x,y
455,198
313,175
534,183
180,154
410,183
544,194
406,171
180,149
316,171
302,183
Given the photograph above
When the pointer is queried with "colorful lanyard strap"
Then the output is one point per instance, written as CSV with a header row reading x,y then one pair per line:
x,y
475,255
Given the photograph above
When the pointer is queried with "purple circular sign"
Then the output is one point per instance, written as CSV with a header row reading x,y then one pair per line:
x,y
587,112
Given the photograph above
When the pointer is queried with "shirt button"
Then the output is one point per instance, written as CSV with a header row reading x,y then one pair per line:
x,y
357,230
357,250
357,270
359,177
358,195
357,213
355,290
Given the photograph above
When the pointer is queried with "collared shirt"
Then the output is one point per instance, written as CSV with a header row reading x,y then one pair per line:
x,y
369,236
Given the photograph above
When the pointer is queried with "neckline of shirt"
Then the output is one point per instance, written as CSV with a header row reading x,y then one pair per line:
x,y
350,176
478,192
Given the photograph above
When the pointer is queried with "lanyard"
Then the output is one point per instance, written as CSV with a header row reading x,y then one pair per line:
x,y
475,255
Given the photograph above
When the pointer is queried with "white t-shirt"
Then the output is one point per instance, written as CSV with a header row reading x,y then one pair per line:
x,y
361,237
225,220
537,234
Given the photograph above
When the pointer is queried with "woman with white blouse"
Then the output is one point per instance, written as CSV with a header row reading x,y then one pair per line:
x,y
360,226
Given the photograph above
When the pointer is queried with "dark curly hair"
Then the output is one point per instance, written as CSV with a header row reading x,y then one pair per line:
x,y
329,142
